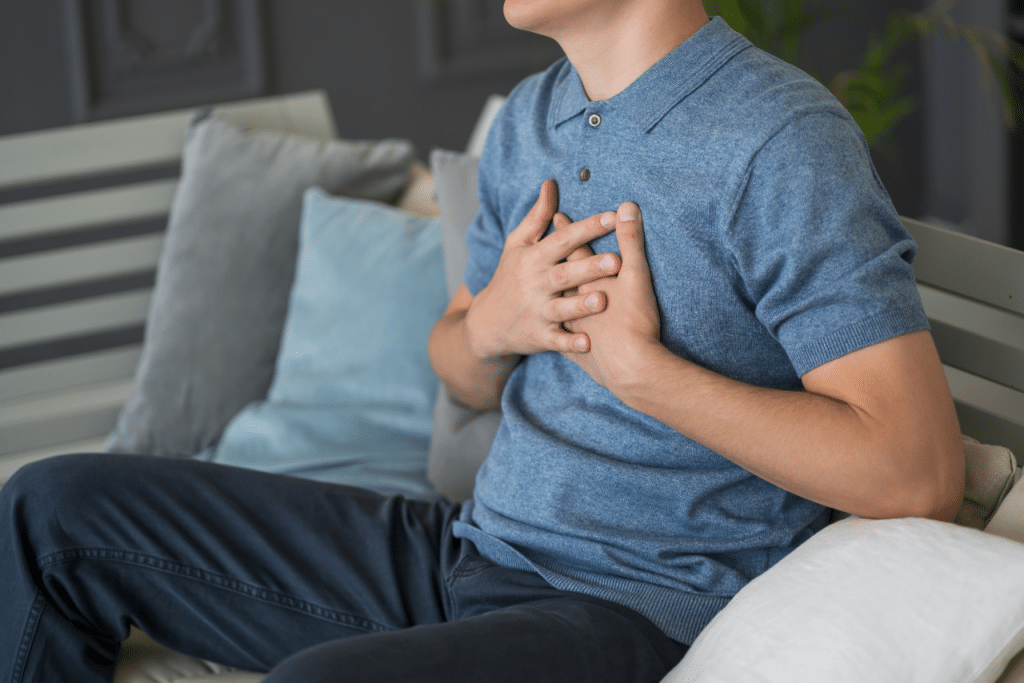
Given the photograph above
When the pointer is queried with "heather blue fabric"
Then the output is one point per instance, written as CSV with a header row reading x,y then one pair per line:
x,y
773,249
353,393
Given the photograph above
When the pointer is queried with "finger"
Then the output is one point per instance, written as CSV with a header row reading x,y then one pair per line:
x,y
567,276
568,342
567,308
536,223
562,221
629,232
568,238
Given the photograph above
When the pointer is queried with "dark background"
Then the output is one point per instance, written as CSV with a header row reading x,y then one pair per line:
x,y
422,69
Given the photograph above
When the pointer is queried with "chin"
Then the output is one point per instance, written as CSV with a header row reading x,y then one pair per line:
x,y
516,12
532,15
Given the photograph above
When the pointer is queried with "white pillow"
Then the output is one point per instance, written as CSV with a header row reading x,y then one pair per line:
x,y
901,600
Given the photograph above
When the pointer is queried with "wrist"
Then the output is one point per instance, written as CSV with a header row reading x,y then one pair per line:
x,y
639,375
479,341
482,342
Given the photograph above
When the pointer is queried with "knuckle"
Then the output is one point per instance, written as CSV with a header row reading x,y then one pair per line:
x,y
530,260
561,278
581,309
575,309
555,311
561,239
553,339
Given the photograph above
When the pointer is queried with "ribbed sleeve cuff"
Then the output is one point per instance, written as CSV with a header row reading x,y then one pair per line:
x,y
861,334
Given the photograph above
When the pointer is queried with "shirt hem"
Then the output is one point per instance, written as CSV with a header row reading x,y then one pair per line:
x,y
680,614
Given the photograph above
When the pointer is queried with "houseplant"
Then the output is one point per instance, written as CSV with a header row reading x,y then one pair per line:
x,y
875,90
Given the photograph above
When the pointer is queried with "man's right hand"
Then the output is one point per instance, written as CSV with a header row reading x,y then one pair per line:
x,y
480,339
522,309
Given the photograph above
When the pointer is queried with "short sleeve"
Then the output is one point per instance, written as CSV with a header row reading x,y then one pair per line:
x,y
820,248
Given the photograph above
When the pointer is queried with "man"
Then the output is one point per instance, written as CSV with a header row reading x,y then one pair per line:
x,y
775,331
744,350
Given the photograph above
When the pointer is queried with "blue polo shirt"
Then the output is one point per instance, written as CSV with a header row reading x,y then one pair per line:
x,y
773,248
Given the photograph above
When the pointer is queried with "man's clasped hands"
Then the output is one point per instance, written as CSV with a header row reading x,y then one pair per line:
x,y
552,293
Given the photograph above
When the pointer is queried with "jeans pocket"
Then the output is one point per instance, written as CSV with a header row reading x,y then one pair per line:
x,y
477,585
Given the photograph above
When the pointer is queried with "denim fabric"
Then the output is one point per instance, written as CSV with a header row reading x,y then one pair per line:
x,y
773,248
250,569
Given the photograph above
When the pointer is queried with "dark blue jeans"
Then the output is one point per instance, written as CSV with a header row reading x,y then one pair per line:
x,y
310,581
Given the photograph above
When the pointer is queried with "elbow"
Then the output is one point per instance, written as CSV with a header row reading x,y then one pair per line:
x,y
946,493
943,492
932,492
473,399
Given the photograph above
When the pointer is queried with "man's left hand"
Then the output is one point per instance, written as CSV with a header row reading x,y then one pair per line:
x,y
630,324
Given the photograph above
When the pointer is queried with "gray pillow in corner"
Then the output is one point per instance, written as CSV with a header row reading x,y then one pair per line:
x,y
461,438
991,472
226,271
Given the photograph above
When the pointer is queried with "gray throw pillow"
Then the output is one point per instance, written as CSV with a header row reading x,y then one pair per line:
x,y
226,271
990,474
461,438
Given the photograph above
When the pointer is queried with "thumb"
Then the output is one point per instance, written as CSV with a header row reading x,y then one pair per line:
x,y
629,230
536,223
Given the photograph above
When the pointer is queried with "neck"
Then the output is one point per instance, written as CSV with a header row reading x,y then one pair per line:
x,y
613,51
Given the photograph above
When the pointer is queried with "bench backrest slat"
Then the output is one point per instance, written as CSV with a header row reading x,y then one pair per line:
x,y
82,210
973,294
82,215
969,266
145,141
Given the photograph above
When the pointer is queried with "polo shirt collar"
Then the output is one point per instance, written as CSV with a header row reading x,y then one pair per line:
x,y
650,97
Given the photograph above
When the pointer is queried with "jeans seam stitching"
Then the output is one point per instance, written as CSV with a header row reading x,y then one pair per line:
x,y
216,580
27,636
460,572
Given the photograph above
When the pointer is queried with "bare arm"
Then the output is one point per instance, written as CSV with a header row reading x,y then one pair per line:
x,y
874,434
479,340
476,382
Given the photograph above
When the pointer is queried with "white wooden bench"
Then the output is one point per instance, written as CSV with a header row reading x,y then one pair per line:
x,y
973,292
78,249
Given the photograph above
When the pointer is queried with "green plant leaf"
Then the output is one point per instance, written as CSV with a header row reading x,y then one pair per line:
x,y
874,92
759,30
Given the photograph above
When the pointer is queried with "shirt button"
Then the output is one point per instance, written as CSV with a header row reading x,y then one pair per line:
x,y
585,174
594,120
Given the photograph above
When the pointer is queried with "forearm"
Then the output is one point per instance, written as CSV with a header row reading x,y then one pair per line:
x,y
870,462
476,382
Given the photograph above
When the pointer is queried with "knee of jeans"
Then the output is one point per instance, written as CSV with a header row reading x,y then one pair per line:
x,y
55,486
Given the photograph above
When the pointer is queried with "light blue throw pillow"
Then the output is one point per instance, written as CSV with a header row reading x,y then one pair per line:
x,y
353,394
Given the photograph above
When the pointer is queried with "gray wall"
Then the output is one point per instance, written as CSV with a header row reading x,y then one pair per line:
x,y
950,161
411,68
421,69
968,152
837,45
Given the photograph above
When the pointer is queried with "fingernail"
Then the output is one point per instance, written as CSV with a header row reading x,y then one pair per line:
x,y
628,212
593,302
608,264
608,219
580,344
